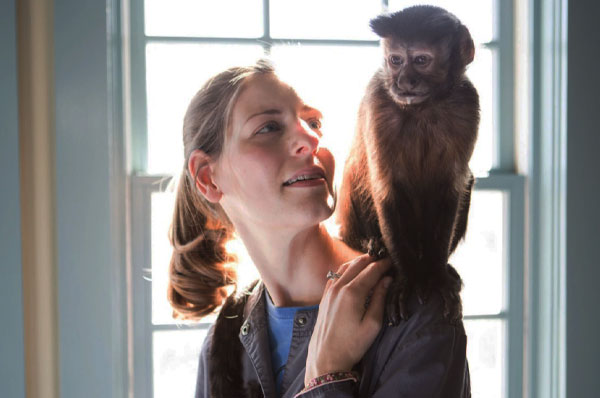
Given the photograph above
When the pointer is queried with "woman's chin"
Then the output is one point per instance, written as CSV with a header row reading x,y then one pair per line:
x,y
309,215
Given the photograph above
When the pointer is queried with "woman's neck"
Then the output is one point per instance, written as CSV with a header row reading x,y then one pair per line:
x,y
294,265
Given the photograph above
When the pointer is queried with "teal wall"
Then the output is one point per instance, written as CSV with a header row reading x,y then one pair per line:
x,y
91,271
583,200
12,362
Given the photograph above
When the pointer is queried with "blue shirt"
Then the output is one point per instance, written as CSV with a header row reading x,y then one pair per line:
x,y
280,321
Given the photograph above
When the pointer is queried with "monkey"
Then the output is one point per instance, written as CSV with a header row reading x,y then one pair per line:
x,y
406,183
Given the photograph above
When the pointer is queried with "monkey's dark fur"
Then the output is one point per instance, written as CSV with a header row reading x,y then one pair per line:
x,y
407,182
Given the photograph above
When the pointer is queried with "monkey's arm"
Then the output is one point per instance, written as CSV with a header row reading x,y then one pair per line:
x,y
356,213
462,217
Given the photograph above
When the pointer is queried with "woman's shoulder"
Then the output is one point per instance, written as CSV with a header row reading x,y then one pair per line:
x,y
221,341
232,313
424,353
426,333
426,318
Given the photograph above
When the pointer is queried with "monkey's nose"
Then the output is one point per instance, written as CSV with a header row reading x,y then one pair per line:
x,y
406,85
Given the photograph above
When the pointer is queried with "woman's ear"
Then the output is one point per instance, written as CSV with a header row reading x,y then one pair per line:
x,y
201,170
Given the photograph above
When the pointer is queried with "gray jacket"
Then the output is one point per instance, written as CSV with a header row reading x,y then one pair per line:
x,y
424,356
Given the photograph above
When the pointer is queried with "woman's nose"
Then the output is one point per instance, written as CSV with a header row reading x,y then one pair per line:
x,y
306,140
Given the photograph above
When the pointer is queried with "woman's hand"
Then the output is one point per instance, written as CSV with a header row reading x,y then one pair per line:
x,y
345,329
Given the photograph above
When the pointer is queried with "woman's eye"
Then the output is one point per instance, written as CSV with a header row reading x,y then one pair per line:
x,y
314,124
269,128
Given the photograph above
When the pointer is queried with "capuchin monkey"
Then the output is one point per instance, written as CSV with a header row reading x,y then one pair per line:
x,y
407,184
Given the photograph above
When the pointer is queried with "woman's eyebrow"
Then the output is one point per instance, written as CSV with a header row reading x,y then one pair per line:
x,y
310,109
266,112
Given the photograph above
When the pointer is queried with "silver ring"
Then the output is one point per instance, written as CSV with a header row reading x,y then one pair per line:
x,y
333,275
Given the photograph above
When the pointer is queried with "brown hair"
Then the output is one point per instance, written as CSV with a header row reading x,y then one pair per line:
x,y
201,268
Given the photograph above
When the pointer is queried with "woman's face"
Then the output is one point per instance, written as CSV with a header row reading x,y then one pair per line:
x,y
272,171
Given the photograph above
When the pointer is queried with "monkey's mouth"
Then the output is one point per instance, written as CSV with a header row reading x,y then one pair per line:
x,y
410,97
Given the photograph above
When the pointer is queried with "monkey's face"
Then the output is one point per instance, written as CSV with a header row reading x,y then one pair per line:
x,y
413,71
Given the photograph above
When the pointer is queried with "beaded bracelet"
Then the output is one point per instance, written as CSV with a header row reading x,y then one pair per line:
x,y
329,378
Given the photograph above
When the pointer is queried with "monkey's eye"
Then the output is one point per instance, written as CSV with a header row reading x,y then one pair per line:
x,y
421,60
396,60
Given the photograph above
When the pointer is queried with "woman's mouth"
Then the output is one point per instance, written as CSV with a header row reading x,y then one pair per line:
x,y
305,181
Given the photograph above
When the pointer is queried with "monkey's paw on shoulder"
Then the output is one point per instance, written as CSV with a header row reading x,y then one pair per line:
x,y
375,247
396,306
449,285
450,291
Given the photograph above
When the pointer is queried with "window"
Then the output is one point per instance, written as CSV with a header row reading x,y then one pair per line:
x,y
176,46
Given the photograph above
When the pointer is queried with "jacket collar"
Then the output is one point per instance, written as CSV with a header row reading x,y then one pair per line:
x,y
254,336
254,296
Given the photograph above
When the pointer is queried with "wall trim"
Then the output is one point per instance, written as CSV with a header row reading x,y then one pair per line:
x,y
90,197
546,340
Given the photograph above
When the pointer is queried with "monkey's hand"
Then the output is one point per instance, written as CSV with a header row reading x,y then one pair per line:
x,y
396,302
450,291
375,247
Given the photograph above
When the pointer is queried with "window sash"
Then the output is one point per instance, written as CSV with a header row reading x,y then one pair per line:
x,y
501,177
503,134
142,187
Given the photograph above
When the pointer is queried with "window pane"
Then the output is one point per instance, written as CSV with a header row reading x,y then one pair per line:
x,y
315,19
476,15
174,73
208,18
486,356
175,362
479,259
325,79
161,214
481,74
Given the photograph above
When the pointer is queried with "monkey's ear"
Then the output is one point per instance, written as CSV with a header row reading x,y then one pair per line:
x,y
467,48
382,25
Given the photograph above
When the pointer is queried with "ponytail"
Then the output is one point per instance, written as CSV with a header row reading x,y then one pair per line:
x,y
201,268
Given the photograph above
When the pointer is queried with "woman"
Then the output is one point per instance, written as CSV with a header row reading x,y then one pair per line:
x,y
312,327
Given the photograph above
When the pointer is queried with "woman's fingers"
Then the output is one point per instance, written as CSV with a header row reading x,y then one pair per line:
x,y
345,329
354,267
341,271
360,274
370,275
342,268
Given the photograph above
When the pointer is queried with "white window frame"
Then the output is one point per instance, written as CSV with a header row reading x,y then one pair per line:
x,y
502,177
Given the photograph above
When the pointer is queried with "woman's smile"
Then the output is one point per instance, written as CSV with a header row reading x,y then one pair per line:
x,y
305,176
311,182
